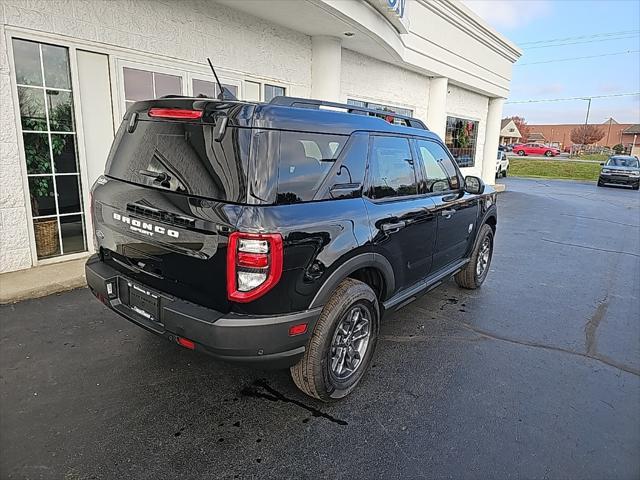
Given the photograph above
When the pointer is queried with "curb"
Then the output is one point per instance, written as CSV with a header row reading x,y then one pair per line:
x,y
42,281
500,187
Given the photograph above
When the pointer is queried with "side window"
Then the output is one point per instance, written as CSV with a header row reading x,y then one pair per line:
x,y
305,161
391,169
347,175
440,171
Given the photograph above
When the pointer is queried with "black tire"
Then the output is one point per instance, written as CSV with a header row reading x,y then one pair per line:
x,y
469,276
600,184
636,186
521,153
548,153
313,374
505,172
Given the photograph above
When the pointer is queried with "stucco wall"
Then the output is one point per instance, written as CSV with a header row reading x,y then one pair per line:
x,y
365,78
466,104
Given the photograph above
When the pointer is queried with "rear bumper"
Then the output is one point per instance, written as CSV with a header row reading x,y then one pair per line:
x,y
263,340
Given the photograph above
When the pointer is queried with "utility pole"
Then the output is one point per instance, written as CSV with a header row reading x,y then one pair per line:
x,y
609,131
586,120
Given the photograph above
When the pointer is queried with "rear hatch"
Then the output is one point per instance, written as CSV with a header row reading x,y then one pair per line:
x,y
174,185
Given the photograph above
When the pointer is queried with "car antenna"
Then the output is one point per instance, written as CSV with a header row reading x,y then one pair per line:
x,y
224,94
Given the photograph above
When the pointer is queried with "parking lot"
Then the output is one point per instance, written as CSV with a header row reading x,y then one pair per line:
x,y
535,375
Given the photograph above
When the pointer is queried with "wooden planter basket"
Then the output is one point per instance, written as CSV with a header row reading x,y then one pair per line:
x,y
46,232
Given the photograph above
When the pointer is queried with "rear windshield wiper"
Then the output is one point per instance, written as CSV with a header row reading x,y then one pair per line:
x,y
160,177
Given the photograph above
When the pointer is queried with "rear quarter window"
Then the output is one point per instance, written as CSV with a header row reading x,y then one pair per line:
x,y
304,161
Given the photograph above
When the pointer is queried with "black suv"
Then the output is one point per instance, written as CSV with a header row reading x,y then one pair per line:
x,y
280,233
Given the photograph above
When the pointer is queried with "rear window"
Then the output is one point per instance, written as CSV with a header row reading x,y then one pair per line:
x,y
305,160
185,157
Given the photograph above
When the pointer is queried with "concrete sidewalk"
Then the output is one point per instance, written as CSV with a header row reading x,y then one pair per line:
x,y
43,280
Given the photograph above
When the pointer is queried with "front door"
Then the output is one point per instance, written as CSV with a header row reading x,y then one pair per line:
x,y
456,210
403,225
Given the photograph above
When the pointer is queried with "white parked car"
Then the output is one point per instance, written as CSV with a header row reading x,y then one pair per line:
x,y
502,164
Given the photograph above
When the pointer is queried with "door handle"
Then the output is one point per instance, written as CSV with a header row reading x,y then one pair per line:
x,y
393,227
447,213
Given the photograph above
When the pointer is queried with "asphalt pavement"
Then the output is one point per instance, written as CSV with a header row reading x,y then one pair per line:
x,y
535,375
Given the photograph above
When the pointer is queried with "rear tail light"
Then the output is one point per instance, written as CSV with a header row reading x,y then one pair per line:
x,y
177,113
254,265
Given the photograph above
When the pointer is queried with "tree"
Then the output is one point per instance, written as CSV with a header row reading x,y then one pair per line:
x,y
619,148
521,125
587,134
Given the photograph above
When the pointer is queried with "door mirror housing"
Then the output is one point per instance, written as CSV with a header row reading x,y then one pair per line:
x,y
473,185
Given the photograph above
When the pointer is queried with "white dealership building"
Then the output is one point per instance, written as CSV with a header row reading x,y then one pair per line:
x,y
68,70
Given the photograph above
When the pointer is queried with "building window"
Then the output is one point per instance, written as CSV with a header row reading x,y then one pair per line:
x,y
146,85
210,89
384,108
461,139
48,132
272,91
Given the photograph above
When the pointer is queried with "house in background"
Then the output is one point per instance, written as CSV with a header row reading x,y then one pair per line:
x,y
509,133
631,139
560,135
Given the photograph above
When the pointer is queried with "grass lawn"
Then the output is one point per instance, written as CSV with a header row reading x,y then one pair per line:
x,y
520,167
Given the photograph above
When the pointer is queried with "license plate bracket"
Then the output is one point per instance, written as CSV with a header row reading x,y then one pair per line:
x,y
144,302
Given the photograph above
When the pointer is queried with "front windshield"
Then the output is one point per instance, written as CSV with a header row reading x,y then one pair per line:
x,y
623,162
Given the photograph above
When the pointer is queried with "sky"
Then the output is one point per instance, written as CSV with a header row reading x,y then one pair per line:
x,y
602,25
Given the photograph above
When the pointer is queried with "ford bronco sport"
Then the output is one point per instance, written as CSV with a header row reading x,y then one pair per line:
x,y
279,233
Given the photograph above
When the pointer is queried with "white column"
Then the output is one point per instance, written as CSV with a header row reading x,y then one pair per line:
x,y
326,65
437,106
492,136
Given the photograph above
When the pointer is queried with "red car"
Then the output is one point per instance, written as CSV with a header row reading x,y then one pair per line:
x,y
535,149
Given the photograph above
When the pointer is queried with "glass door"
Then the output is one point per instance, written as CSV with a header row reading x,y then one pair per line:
x,y
50,145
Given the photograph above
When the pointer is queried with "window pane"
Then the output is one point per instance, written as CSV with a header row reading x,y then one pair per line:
x,y
271,91
202,87
27,59
305,160
461,138
252,91
391,166
32,113
167,85
56,66
68,193
138,84
232,88
64,153
60,111
73,238
36,152
431,156
383,108
42,198
47,240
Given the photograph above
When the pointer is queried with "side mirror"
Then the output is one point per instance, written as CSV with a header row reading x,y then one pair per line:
x,y
473,185
602,164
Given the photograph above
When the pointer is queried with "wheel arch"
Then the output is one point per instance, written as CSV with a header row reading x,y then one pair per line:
x,y
371,268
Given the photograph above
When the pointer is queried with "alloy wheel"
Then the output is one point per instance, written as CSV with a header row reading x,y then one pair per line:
x,y
350,342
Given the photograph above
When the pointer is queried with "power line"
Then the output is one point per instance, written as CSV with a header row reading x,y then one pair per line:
x,y
579,37
582,42
575,98
568,59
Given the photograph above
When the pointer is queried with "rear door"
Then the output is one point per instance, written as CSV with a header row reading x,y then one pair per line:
x,y
456,210
168,202
403,226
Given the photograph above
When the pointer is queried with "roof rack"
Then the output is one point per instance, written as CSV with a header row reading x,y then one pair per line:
x,y
343,107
